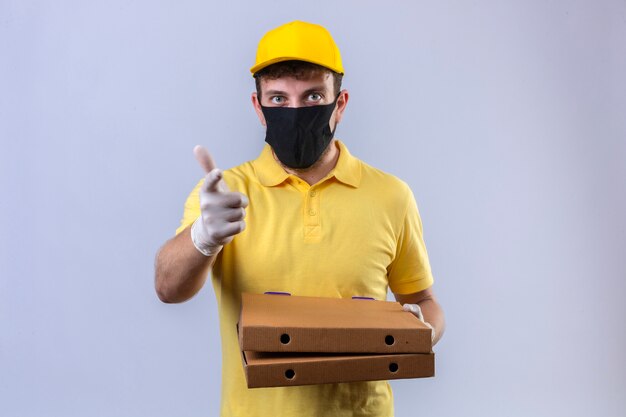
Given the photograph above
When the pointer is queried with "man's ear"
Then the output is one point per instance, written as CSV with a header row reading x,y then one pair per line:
x,y
342,102
257,109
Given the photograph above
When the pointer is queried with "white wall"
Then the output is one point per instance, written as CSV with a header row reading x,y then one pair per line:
x,y
506,118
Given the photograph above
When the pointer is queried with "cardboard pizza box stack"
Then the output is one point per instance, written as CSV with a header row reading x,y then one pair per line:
x,y
291,340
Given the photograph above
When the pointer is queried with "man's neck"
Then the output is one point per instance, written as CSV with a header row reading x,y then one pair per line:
x,y
320,169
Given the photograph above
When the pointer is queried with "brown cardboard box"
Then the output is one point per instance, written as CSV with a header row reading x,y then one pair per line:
x,y
291,369
279,323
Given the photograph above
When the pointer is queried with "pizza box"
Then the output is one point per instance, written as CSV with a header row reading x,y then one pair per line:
x,y
264,369
285,323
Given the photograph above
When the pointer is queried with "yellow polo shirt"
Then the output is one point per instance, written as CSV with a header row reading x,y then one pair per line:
x,y
354,233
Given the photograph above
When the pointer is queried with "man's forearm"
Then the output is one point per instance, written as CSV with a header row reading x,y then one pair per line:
x,y
180,270
433,314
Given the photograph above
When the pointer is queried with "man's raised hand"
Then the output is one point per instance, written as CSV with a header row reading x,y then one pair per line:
x,y
221,211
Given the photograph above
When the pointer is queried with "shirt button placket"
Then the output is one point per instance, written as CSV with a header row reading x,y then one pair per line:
x,y
312,218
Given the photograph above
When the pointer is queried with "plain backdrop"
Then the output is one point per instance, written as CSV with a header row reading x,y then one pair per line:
x,y
506,118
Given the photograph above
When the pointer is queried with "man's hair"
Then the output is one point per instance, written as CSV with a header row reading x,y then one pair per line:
x,y
300,70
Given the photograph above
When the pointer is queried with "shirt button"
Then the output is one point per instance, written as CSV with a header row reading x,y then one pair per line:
x,y
311,212
312,193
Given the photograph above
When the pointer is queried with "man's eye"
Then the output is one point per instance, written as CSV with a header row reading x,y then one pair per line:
x,y
315,97
277,100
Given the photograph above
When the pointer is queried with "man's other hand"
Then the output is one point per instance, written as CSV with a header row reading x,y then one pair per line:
x,y
417,312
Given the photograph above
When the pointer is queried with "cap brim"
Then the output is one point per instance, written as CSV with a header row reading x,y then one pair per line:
x,y
262,65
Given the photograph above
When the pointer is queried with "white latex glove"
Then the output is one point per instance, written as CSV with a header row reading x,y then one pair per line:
x,y
221,211
417,312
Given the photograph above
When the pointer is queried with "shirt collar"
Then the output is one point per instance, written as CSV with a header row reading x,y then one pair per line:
x,y
270,173
348,168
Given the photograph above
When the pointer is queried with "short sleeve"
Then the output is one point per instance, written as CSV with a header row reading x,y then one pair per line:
x,y
410,270
192,208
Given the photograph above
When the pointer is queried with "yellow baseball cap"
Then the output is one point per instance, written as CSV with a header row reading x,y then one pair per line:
x,y
299,41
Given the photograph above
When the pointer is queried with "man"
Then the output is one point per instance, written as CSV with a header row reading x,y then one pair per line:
x,y
318,222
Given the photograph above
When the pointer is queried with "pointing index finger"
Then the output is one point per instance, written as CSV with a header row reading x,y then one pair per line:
x,y
213,181
204,158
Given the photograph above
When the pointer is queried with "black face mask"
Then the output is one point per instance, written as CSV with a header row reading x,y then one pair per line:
x,y
299,135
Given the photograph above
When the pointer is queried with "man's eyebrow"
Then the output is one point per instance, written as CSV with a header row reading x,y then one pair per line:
x,y
317,89
276,93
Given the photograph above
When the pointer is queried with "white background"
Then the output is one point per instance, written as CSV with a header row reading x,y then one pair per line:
x,y
507,119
